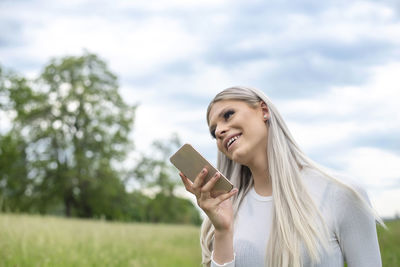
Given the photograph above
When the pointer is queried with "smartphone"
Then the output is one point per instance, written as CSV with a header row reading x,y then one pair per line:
x,y
191,163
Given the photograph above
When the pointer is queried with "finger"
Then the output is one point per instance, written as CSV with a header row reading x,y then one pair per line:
x,y
210,184
223,197
198,182
186,182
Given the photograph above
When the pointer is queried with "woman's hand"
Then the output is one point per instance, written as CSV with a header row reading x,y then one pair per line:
x,y
218,208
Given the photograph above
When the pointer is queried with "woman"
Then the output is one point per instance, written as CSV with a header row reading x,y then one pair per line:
x,y
284,211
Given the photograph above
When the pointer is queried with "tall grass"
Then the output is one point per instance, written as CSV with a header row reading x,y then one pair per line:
x,y
52,241
389,242
27,240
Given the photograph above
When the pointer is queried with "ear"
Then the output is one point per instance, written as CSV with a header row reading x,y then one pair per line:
x,y
265,110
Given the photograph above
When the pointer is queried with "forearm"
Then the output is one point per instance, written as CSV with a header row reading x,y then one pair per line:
x,y
223,247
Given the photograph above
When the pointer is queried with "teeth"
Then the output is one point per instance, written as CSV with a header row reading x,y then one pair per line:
x,y
232,140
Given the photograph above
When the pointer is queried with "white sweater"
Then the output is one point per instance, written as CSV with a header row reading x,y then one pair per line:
x,y
353,236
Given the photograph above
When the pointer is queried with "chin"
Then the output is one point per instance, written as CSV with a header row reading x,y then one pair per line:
x,y
239,157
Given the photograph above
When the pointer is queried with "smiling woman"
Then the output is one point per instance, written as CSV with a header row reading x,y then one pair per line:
x,y
286,210
230,119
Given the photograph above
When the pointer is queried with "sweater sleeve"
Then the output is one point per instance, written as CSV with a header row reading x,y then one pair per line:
x,y
227,264
356,230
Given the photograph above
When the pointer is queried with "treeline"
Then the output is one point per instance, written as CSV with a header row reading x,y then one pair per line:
x,y
64,143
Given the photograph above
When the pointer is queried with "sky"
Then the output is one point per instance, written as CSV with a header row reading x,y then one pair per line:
x,y
332,68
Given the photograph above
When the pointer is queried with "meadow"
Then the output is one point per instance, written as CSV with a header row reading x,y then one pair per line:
x,y
53,241
27,240
389,242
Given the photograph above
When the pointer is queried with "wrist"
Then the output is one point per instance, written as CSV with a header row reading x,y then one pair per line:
x,y
223,246
224,232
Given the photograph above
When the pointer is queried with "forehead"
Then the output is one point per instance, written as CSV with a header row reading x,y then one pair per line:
x,y
220,106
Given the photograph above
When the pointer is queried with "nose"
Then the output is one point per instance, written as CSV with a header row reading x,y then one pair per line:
x,y
220,131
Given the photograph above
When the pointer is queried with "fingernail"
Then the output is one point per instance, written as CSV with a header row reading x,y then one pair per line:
x,y
203,170
216,174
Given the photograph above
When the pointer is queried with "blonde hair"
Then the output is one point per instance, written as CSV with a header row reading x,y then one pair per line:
x,y
296,219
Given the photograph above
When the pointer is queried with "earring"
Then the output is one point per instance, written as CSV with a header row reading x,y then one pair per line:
x,y
266,119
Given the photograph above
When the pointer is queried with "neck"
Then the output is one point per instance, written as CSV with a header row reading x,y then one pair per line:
x,y
262,181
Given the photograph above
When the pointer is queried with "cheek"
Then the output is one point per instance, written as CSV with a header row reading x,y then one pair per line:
x,y
259,130
219,145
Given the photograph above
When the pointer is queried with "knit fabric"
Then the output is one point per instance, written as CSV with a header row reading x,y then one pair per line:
x,y
352,231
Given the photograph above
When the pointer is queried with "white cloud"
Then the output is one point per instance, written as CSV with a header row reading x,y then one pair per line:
x,y
333,120
312,136
156,5
202,80
363,10
136,47
160,121
376,167
387,202
334,26
142,38
133,45
345,112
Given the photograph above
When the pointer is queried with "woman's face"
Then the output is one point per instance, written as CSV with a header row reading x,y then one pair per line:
x,y
240,130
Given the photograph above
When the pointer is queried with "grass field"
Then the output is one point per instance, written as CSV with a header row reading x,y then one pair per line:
x,y
53,241
389,241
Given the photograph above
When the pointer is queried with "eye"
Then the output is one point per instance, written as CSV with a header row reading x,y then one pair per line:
x,y
228,114
212,132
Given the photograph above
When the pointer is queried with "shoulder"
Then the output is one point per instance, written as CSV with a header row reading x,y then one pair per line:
x,y
347,188
334,192
317,185
340,185
349,204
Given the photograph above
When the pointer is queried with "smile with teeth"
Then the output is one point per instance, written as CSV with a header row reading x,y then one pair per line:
x,y
230,141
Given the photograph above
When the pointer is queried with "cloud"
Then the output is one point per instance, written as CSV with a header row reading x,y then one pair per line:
x,y
155,5
378,169
343,114
331,67
137,46
9,32
386,202
355,129
308,49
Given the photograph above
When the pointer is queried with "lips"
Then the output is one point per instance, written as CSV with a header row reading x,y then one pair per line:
x,y
231,139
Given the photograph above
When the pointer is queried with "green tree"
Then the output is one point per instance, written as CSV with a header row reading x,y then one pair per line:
x,y
14,183
158,175
154,170
77,129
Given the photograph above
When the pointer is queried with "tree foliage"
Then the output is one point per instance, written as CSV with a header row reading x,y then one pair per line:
x,y
67,137
154,170
76,125
14,184
158,175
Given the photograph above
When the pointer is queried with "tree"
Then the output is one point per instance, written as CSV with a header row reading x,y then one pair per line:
x,y
158,175
68,135
154,170
14,182
77,129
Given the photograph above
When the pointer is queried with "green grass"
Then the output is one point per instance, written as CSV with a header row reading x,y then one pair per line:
x,y
27,240
389,242
52,241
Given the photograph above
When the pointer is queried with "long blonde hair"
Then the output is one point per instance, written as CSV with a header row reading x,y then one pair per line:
x,y
296,219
